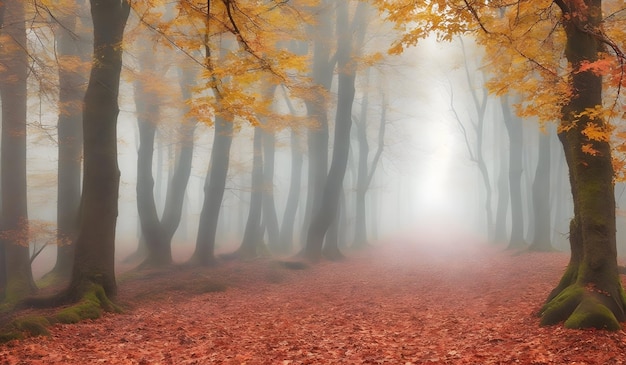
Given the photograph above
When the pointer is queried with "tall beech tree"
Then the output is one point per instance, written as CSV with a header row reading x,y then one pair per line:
x,y
253,234
94,259
18,279
366,169
73,40
527,40
515,133
322,66
590,293
158,232
348,46
541,190
238,53
287,225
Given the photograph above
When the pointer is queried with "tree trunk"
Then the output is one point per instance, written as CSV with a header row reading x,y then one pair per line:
x,y
253,236
502,206
14,218
72,84
293,197
360,226
541,197
317,138
590,293
270,217
327,211
214,187
515,132
175,198
269,206
94,259
147,103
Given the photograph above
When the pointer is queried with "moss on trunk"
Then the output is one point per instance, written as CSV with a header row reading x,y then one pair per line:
x,y
93,302
590,294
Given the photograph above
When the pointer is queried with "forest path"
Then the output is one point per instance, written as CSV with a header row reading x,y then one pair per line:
x,y
405,303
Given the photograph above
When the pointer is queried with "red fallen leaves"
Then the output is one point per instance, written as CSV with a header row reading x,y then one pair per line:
x,y
393,305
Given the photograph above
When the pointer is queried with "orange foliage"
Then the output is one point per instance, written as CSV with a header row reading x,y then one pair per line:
x,y
34,233
525,44
241,46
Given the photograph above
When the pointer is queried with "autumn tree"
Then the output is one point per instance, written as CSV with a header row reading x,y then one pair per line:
x,y
237,47
93,274
73,39
348,46
152,96
18,279
529,39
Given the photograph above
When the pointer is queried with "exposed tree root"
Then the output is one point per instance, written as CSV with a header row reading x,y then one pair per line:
x,y
583,307
90,306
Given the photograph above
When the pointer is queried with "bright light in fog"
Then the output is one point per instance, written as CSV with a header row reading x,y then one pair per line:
x,y
432,188
445,187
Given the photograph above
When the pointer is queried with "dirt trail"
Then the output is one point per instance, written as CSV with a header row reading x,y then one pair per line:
x,y
400,304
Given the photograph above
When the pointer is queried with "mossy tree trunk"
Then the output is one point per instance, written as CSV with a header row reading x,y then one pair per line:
x,y
589,294
13,90
94,259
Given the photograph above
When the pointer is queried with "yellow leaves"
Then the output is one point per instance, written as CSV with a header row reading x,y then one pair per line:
x,y
240,45
417,20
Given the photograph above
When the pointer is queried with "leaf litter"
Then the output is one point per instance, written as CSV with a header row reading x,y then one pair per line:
x,y
391,304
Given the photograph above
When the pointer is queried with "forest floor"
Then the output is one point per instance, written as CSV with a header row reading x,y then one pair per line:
x,y
401,303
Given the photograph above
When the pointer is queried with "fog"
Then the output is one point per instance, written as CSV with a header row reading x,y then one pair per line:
x,y
429,182
425,183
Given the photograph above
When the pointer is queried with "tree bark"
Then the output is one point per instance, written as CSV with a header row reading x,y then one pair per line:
x,y
318,135
72,84
515,132
293,197
590,293
270,216
94,259
253,236
215,185
341,145
541,197
502,206
13,91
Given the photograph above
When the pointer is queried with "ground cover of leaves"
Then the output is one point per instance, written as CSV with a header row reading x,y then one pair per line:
x,y
398,304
